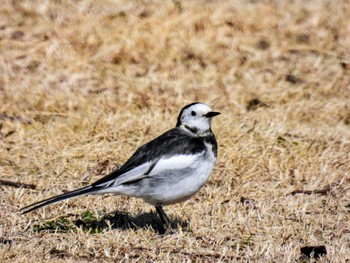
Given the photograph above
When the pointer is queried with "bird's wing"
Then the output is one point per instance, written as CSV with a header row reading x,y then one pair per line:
x,y
172,143
138,173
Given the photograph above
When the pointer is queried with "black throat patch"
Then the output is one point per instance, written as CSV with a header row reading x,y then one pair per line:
x,y
212,141
193,130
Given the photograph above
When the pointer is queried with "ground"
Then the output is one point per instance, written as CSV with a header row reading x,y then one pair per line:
x,y
84,83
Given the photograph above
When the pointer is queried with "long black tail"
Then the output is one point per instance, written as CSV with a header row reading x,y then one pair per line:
x,y
81,191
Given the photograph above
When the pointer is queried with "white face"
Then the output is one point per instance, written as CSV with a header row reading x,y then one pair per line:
x,y
196,117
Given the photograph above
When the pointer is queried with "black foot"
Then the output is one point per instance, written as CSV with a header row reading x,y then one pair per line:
x,y
163,217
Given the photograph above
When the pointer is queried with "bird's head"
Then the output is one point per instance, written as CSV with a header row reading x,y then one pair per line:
x,y
196,118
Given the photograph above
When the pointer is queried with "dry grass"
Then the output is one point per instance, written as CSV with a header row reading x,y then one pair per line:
x,y
84,83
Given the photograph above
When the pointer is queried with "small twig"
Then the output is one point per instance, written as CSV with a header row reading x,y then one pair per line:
x,y
323,191
49,113
17,185
312,50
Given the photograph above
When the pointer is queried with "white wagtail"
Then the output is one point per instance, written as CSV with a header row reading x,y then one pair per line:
x,y
167,170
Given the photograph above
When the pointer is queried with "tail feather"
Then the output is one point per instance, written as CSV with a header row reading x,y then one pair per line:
x,y
45,202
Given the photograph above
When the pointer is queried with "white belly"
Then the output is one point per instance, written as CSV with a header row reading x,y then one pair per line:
x,y
180,184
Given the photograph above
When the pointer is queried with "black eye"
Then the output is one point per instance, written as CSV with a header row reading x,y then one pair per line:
x,y
193,113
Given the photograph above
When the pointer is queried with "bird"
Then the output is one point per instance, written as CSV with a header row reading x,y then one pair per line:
x,y
167,170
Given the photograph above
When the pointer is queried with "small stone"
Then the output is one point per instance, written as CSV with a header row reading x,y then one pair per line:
x,y
315,251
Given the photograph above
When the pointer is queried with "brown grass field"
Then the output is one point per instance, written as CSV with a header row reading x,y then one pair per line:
x,y
84,83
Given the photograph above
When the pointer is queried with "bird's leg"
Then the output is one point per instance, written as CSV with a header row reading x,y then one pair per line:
x,y
163,217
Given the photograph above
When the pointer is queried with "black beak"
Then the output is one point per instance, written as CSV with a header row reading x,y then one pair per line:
x,y
211,114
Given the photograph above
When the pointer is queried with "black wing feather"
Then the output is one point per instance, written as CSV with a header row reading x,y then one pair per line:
x,y
174,141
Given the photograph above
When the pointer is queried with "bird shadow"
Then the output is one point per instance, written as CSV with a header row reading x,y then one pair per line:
x,y
117,220
124,221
